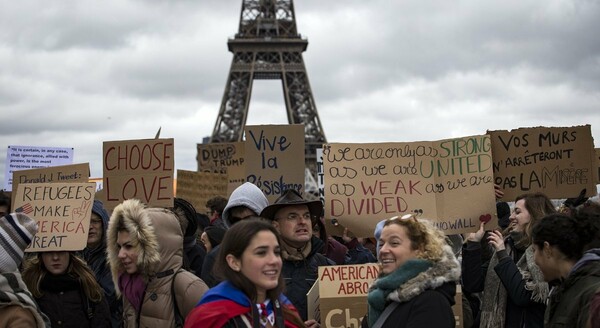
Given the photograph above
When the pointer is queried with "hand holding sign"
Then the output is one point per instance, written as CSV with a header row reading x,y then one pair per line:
x,y
80,212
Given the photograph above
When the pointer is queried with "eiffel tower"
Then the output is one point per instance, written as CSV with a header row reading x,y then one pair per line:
x,y
268,47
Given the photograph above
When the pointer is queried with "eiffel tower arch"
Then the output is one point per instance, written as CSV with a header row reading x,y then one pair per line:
x,y
268,46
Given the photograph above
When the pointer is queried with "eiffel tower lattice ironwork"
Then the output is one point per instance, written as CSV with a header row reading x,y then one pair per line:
x,y
268,46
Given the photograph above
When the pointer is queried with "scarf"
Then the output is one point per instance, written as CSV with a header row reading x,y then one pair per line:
x,y
290,253
133,288
383,286
13,291
493,308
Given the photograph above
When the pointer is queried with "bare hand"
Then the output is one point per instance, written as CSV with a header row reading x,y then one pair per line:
x,y
312,323
498,191
345,236
496,240
478,235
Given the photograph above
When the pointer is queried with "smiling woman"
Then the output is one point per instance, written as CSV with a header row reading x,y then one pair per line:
x,y
250,261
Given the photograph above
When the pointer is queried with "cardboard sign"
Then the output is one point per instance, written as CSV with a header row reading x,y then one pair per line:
x,y
63,173
343,293
275,158
141,169
225,158
597,163
198,187
62,212
556,161
32,157
366,183
457,308
320,175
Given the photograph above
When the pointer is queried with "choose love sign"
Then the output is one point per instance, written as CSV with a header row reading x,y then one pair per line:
x,y
62,212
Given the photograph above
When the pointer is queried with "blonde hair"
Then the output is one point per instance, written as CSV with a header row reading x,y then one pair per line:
x,y
423,236
34,272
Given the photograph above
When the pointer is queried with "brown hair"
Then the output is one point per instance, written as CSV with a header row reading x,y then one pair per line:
x,y
538,205
34,272
236,240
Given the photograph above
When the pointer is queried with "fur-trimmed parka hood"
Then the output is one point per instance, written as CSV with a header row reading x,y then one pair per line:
x,y
155,233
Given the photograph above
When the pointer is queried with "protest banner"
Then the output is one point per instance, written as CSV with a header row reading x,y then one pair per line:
x,y
225,158
141,169
597,156
275,158
343,293
366,183
33,157
62,212
198,187
62,173
556,161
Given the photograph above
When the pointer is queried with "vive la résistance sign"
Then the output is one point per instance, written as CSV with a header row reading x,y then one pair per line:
x,y
62,212
557,161
141,169
366,183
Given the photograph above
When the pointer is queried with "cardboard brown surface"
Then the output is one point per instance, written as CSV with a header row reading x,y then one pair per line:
x,y
275,158
62,211
556,161
366,183
198,187
141,169
597,163
343,293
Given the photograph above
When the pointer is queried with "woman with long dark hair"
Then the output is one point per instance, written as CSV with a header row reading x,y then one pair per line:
x,y
66,290
251,293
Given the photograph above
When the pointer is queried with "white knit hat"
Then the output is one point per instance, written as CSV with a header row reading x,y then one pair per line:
x,y
16,232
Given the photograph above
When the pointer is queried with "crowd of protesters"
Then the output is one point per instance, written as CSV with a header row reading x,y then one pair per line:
x,y
243,262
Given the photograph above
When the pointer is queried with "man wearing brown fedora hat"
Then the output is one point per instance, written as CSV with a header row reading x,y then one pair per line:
x,y
293,217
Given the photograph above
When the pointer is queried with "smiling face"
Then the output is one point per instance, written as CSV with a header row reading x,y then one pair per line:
x,y
96,230
260,263
294,224
56,262
395,248
127,253
520,216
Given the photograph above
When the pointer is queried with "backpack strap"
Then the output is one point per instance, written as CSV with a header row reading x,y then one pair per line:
x,y
385,314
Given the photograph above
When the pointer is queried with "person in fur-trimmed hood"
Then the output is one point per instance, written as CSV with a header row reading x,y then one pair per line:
x,y
145,248
417,282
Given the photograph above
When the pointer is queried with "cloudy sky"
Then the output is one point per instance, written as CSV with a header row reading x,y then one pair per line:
x,y
75,73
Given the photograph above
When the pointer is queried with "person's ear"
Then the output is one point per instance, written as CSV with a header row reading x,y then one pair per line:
x,y
547,250
233,263
275,224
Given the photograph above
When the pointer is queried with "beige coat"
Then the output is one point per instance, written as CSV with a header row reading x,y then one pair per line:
x,y
157,236
16,316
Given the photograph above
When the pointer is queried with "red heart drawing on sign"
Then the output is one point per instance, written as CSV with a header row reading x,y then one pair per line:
x,y
485,218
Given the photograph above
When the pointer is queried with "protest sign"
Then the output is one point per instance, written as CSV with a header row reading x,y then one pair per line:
x,y
62,212
141,169
275,158
556,161
198,187
448,181
62,173
223,158
343,293
597,156
33,157
320,175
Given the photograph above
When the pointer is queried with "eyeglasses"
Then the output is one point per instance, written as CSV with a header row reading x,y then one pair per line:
x,y
295,216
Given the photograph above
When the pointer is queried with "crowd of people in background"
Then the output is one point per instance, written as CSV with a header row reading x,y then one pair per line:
x,y
243,262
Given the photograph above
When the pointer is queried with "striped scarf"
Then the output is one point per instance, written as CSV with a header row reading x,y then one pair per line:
x,y
13,291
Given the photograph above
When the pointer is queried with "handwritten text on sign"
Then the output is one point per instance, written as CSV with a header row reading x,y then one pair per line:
x,y
275,158
141,169
365,183
62,211
556,161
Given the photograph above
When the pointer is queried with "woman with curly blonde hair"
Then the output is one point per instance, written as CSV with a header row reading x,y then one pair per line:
x,y
66,290
418,277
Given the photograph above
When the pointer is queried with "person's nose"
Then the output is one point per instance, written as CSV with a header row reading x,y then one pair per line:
x,y
121,254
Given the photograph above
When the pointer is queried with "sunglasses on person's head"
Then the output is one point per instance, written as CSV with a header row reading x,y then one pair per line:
x,y
414,216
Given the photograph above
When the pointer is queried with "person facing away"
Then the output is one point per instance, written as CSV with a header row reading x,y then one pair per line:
x,y
417,282
214,209
66,290
559,243
193,254
251,293
95,255
514,290
245,201
145,254
18,308
293,217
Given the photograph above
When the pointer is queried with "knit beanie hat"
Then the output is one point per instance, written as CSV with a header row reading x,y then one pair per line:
x,y
16,232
